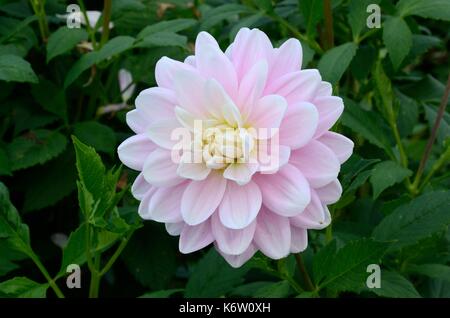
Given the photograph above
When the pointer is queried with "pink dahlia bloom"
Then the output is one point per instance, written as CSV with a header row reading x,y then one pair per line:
x,y
239,205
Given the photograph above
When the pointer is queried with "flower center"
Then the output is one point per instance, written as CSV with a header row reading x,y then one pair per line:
x,y
222,145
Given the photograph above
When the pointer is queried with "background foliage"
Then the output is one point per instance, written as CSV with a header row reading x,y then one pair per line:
x,y
66,199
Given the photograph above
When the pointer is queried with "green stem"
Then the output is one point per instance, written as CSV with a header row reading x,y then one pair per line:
x,y
443,160
90,31
44,272
328,15
95,278
39,10
106,18
88,247
116,254
432,138
304,273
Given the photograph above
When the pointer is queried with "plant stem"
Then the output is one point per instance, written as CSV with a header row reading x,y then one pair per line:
x,y
443,159
106,18
304,273
39,10
44,272
116,254
95,278
90,31
328,15
432,137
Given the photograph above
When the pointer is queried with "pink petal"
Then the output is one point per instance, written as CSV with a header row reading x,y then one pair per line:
x,y
268,113
230,241
238,260
240,205
143,205
249,47
272,156
299,125
159,170
156,103
273,234
194,238
299,239
315,216
211,62
134,151
204,39
160,132
339,144
297,86
165,70
251,87
201,198
140,187
165,204
330,109
317,163
325,89
192,170
175,229
287,59
136,121
330,193
241,173
285,192
220,105
189,90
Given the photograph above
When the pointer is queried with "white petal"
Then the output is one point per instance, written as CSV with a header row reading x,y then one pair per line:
x,y
174,229
339,144
240,172
230,241
194,238
330,193
299,239
160,171
134,151
238,260
140,187
165,204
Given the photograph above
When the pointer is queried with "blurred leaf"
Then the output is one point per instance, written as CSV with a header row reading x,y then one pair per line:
x,y
394,285
11,227
153,265
213,277
5,164
162,39
444,127
417,220
97,135
369,124
357,15
115,46
433,9
335,62
63,40
161,293
323,260
171,26
280,289
386,174
16,69
45,187
216,15
431,270
18,27
246,22
250,289
22,287
347,271
35,147
51,97
398,39
312,12
265,5
408,114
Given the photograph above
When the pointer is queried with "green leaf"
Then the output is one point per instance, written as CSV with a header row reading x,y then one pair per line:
x,y
5,164
280,289
10,257
216,15
171,26
444,128
312,12
323,260
153,265
63,40
417,220
398,39
35,147
45,187
386,174
394,285
162,39
97,135
22,287
369,124
161,293
115,46
348,270
246,22
213,277
51,98
11,227
250,289
433,9
357,15
15,69
335,62
431,270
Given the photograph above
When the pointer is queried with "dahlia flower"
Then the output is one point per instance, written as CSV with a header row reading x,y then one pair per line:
x,y
238,107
